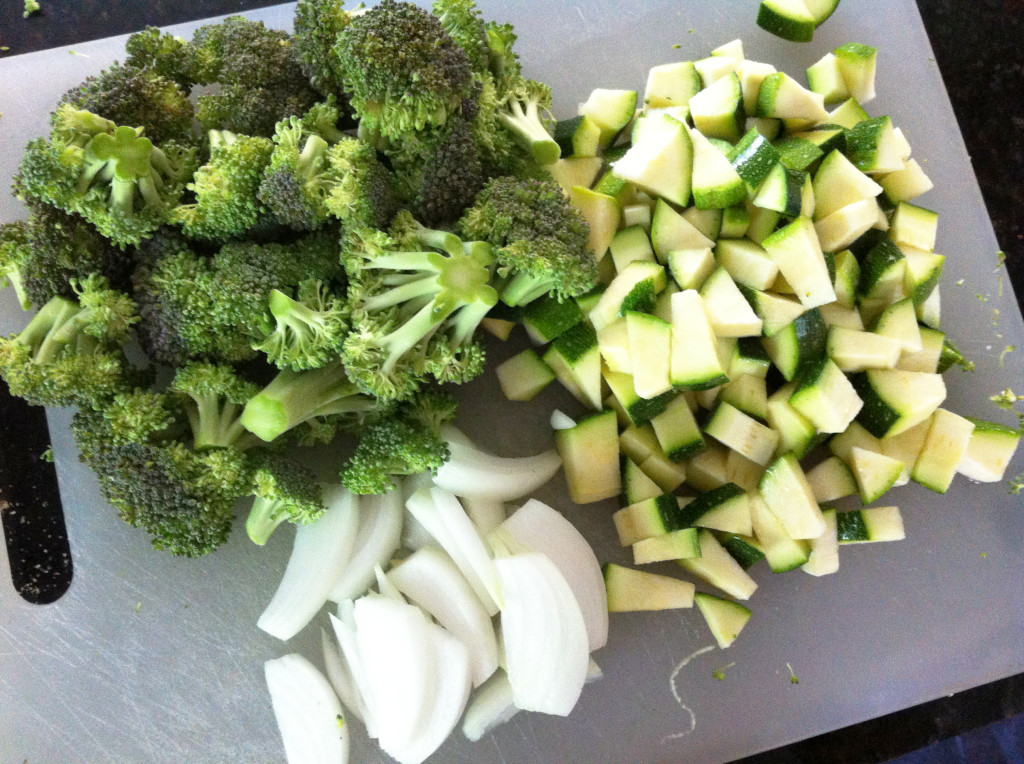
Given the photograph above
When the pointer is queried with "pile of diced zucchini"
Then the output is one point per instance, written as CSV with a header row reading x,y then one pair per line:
x,y
770,294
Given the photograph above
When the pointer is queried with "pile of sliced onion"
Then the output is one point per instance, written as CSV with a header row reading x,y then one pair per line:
x,y
475,590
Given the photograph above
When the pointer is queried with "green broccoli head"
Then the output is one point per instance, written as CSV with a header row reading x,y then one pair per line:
x,y
128,95
361,194
163,53
216,307
284,491
184,499
143,416
15,252
111,175
225,203
407,443
213,396
540,239
401,68
258,72
461,19
309,330
416,305
70,352
318,23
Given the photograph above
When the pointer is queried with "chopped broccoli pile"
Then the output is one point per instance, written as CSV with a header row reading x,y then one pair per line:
x,y
250,242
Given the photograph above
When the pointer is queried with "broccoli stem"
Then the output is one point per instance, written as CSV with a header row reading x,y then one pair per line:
x,y
44,332
294,397
527,126
264,517
524,288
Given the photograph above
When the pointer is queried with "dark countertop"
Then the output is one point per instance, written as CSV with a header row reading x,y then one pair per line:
x,y
977,47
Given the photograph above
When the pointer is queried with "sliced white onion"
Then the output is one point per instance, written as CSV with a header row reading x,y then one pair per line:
x,y
385,586
443,516
536,527
308,712
431,580
447,698
545,636
471,472
561,421
485,512
594,672
380,533
491,706
399,666
345,630
340,677
320,553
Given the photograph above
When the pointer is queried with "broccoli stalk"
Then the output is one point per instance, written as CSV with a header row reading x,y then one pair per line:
x,y
295,397
309,331
522,116
213,397
415,312
284,490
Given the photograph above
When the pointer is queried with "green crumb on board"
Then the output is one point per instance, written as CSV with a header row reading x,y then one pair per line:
x,y
960,282
719,673
76,53
31,6
138,607
793,678
1006,399
1017,485
47,455
1002,356
982,297
677,46
1001,259
984,554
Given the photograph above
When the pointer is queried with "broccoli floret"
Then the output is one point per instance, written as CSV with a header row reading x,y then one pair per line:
x,y
225,188
128,95
143,416
406,443
362,194
294,398
503,62
448,182
111,175
298,178
260,78
185,499
540,240
462,20
318,23
523,113
163,53
309,330
15,252
70,352
284,490
216,307
213,396
62,247
401,68
416,304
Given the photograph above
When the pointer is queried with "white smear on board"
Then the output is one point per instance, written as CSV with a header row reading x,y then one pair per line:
x,y
679,700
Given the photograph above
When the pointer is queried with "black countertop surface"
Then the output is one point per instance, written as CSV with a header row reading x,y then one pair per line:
x,y
978,48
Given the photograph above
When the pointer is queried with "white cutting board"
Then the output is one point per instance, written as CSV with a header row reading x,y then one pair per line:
x,y
149,658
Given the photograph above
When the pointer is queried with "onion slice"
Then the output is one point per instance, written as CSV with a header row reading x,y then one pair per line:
x,y
545,637
537,527
442,515
447,698
399,666
380,533
491,706
340,676
470,471
319,555
308,713
486,513
431,580
345,630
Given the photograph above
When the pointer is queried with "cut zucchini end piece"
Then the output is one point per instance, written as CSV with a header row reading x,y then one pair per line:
x,y
725,618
